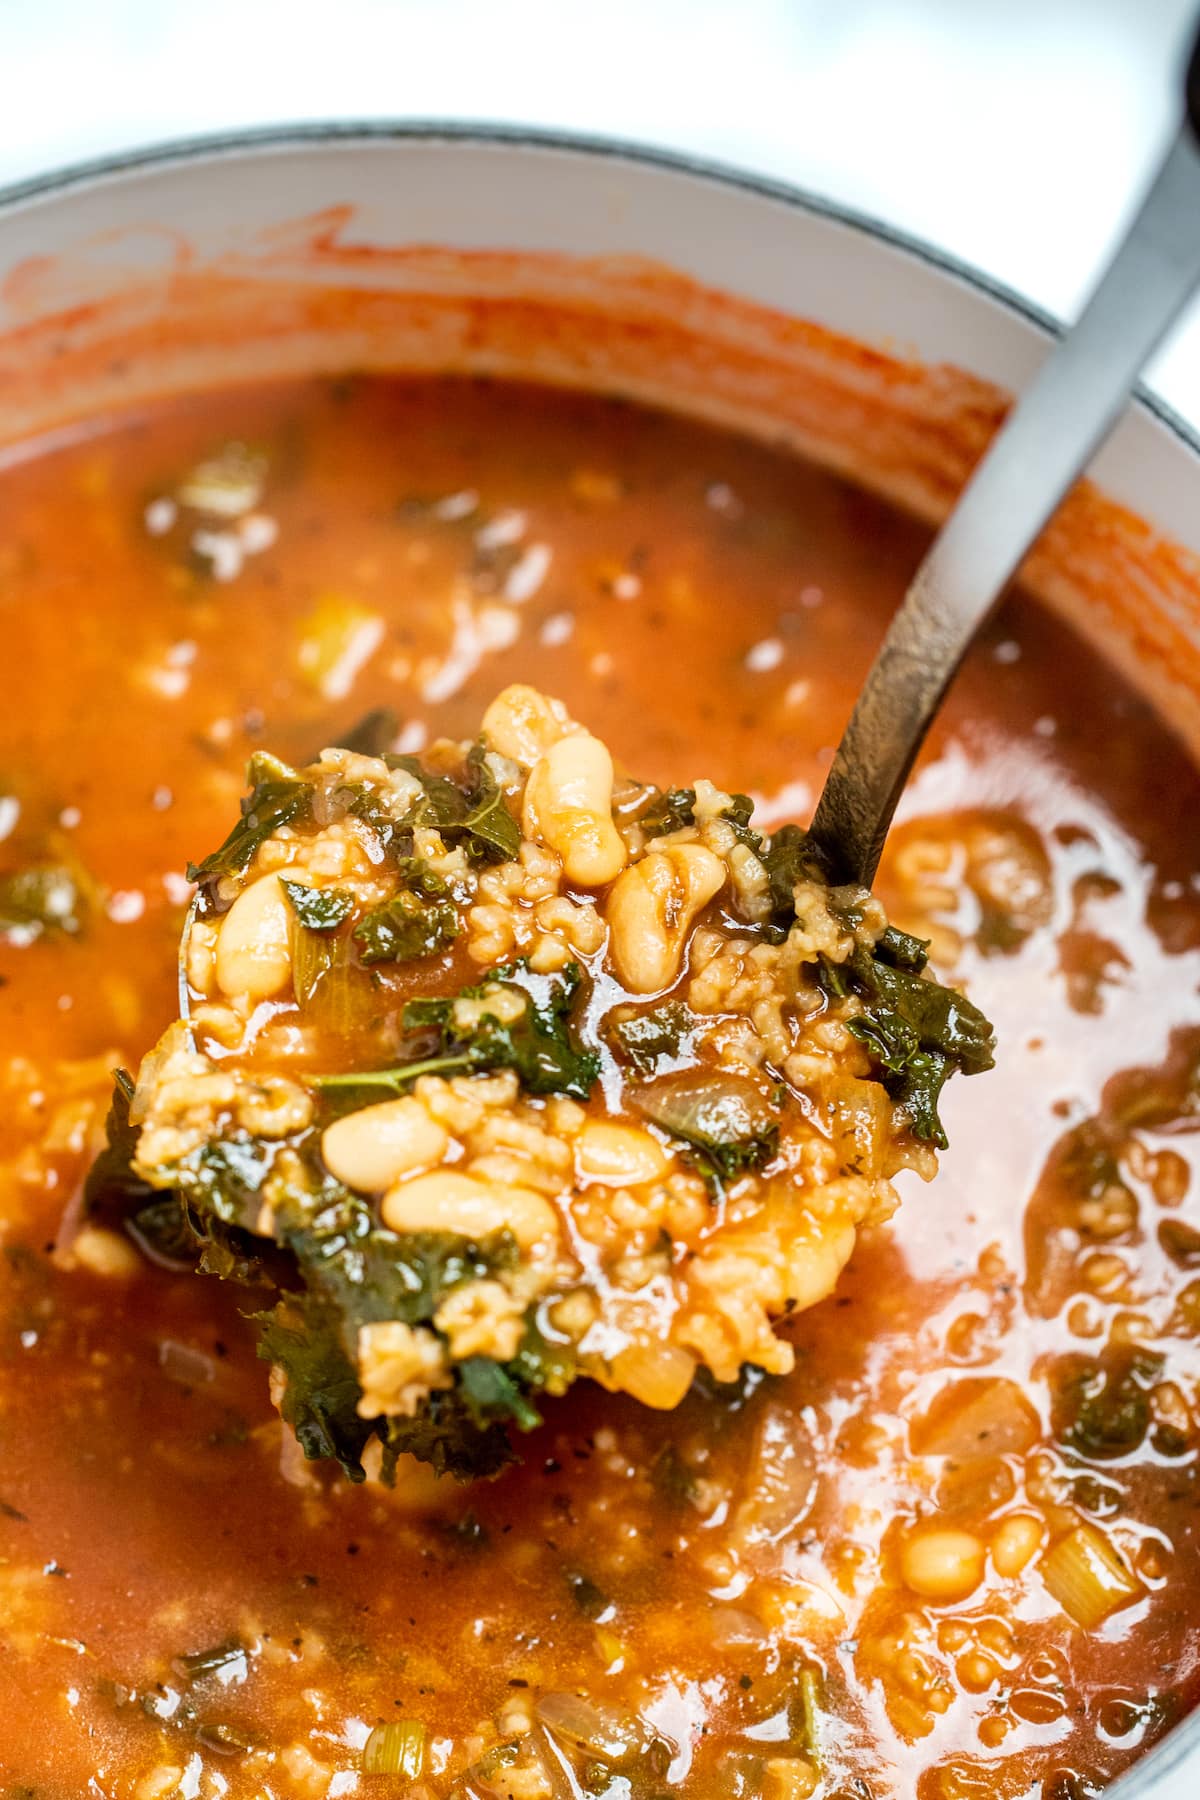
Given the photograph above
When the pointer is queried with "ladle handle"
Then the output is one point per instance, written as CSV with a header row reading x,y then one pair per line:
x,y
1045,444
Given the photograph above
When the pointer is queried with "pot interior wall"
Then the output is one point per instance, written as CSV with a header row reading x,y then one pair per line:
x,y
213,270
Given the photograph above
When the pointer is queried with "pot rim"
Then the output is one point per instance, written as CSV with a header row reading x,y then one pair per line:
x,y
301,134
1175,1758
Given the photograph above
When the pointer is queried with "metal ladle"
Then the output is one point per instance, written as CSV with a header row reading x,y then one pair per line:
x,y
1046,443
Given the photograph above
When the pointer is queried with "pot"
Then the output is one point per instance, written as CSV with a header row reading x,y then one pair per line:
x,y
596,264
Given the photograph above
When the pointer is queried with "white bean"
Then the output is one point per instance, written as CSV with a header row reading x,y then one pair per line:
x,y
522,723
445,1200
254,954
613,1155
371,1149
651,909
568,807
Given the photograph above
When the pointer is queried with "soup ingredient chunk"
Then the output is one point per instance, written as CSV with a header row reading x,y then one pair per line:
x,y
500,1069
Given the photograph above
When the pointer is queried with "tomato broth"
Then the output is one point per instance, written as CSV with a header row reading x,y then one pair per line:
x,y
740,1596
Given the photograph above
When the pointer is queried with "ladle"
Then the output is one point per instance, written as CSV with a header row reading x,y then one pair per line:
x,y
1046,443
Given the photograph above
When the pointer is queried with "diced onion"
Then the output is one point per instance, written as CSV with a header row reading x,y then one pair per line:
x,y
658,1375
397,1748
610,1733
977,1417
1087,1575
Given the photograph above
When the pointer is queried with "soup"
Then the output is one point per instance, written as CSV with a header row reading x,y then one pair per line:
x,y
952,1550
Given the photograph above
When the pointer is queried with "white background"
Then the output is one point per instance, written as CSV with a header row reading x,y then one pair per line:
x,y
1014,133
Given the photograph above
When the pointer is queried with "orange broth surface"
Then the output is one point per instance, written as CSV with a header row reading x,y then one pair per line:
x,y
733,1573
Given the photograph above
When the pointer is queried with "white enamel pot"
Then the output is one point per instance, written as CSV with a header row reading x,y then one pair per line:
x,y
438,247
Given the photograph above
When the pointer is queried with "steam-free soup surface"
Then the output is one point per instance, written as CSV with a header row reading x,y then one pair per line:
x,y
954,1553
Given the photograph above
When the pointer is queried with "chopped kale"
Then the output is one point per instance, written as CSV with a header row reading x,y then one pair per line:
x,y
475,814
672,1478
901,950
490,1394
320,1399
673,809
318,909
224,1178
442,805
356,1273
445,1435
917,1031
418,921
943,1019
372,735
45,898
365,1272
644,1039
167,1228
491,827
1101,1404
278,796
725,1119
111,1181
918,1088
788,857
668,811
541,1045
590,1599
173,1234
362,801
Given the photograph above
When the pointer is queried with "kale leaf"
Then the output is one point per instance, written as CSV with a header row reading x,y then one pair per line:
x,y
47,897
356,1273
942,1018
224,1177
167,1228
491,827
917,1031
418,921
475,814
365,1272
278,796
725,1119
369,804
540,1044
668,811
644,1039
318,909
491,1395
371,735
788,857
674,808
1102,1405
902,950
445,1435
320,1399
111,1181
